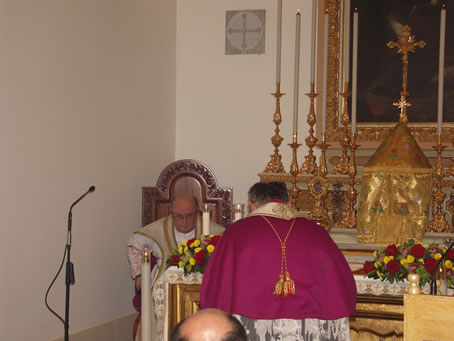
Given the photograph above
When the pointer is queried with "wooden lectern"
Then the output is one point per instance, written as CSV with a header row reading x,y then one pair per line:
x,y
428,317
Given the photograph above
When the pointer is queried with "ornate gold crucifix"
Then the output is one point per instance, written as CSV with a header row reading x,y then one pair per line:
x,y
405,44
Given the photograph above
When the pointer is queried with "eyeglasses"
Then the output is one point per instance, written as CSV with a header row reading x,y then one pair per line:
x,y
182,217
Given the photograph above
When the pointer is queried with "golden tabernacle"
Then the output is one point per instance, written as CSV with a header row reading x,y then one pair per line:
x,y
396,191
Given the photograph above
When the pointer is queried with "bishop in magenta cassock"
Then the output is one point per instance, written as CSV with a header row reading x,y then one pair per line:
x,y
282,276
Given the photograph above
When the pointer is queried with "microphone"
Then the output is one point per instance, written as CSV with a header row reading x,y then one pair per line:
x,y
91,189
433,282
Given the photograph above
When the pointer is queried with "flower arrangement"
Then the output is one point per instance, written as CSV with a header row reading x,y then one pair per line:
x,y
192,255
396,261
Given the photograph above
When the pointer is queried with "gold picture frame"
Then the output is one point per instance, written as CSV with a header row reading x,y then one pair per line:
x,y
368,135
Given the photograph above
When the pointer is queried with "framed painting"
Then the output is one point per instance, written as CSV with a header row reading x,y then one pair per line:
x,y
380,69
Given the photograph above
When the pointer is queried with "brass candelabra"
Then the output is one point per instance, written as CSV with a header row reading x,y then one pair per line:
x,y
438,222
310,166
294,171
275,164
350,219
342,166
318,186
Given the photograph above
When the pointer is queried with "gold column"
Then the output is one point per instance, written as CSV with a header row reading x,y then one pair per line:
x,y
310,166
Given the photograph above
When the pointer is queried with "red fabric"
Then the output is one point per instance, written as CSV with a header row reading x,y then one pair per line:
x,y
245,266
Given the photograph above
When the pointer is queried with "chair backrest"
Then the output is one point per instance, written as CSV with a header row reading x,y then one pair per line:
x,y
187,176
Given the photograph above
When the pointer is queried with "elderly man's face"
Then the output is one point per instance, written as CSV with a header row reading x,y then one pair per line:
x,y
184,214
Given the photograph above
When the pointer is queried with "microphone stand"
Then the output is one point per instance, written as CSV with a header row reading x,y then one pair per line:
x,y
69,279
433,282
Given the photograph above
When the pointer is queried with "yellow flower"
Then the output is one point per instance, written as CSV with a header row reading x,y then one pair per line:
x,y
180,264
375,254
437,256
186,249
192,261
210,248
380,275
377,264
448,264
410,259
211,235
196,242
198,250
185,243
180,249
387,259
421,261
426,246
192,244
403,261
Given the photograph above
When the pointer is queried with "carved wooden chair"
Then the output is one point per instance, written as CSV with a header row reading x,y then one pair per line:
x,y
185,176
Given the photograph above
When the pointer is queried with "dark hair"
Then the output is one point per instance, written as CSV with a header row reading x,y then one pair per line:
x,y
238,333
259,193
278,190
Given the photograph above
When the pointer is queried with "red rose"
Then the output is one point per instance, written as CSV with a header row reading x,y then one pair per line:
x,y
429,265
391,250
175,259
393,266
190,241
418,251
450,254
200,257
214,240
368,267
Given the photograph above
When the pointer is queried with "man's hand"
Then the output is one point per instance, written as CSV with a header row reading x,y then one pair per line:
x,y
138,283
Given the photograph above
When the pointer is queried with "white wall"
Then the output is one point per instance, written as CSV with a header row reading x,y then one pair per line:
x,y
87,97
224,106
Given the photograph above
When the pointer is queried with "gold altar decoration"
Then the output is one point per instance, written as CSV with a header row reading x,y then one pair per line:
x,y
438,222
368,135
294,171
396,191
350,219
342,166
318,187
275,164
310,166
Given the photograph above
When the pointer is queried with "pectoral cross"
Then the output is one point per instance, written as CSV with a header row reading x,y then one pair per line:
x,y
405,44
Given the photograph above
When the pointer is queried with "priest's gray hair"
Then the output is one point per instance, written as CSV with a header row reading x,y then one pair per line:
x,y
261,193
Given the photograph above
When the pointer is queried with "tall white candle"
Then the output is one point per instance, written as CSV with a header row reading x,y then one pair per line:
x,y
206,220
297,72
441,67
354,69
146,296
347,41
325,71
238,211
313,39
279,37
341,61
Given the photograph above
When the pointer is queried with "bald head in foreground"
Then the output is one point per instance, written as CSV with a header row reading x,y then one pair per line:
x,y
209,325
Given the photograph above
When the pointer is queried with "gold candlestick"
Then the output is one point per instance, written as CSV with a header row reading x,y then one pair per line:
x,y
438,222
342,166
450,170
310,166
294,171
275,164
318,185
349,221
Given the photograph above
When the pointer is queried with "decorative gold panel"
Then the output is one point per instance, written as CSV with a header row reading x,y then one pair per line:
x,y
184,300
